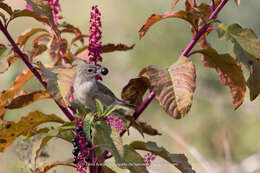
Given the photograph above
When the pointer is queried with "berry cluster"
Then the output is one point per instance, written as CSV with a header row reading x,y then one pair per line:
x,y
81,149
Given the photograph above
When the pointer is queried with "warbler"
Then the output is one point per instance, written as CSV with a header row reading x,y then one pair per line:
x,y
87,88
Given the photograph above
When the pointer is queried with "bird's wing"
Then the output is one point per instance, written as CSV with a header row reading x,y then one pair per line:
x,y
105,95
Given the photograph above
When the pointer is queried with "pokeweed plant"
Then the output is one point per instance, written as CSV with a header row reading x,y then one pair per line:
x,y
97,136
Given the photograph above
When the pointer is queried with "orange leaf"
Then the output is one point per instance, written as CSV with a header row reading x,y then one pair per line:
x,y
188,16
134,91
27,98
11,130
174,88
230,73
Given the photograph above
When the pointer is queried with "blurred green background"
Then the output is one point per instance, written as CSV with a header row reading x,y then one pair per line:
x,y
214,137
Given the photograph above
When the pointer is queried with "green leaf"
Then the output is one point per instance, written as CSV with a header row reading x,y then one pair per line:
x,y
133,160
174,88
11,130
100,107
87,125
247,51
180,161
80,108
109,139
109,110
230,73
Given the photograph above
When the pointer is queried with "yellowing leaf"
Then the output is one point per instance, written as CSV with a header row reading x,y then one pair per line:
x,y
11,130
174,87
59,82
247,50
27,98
188,16
231,73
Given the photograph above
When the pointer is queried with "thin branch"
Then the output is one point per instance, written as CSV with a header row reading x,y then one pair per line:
x,y
30,66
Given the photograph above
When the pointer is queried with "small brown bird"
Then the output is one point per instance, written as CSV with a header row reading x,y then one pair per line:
x,y
87,88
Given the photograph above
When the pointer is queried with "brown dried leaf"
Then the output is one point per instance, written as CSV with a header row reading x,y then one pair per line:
x,y
111,47
174,87
27,98
188,16
11,130
48,166
134,91
23,38
230,73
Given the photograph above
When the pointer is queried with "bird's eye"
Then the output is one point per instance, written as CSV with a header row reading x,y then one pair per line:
x,y
90,70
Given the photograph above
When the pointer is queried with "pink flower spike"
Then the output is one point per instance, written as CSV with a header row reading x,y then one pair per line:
x,y
148,158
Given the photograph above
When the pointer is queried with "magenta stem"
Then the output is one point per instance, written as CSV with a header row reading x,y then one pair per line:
x,y
213,5
29,65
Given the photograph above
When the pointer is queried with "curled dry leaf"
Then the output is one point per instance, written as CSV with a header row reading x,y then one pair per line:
x,y
11,130
23,38
27,13
186,15
230,73
174,88
134,91
247,52
27,98
59,82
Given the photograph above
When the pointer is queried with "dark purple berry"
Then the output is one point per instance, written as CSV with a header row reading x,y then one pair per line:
x,y
79,129
82,134
104,71
75,152
75,160
74,144
88,144
75,139
88,159
77,148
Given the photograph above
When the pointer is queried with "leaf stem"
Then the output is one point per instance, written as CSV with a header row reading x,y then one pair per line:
x,y
17,50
